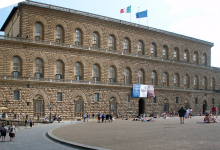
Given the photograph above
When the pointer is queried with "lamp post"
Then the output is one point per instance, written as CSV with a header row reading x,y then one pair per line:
x,y
50,106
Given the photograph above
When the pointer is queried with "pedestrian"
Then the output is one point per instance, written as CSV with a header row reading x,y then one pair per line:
x,y
99,116
107,118
84,117
12,131
87,115
111,117
31,123
93,117
25,123
182,112
190,112
214,111
59,118
103,117
4,130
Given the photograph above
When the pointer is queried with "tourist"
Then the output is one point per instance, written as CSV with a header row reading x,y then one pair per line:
x,y
26,122
12,131
31,123
99,116
182,112
207,119
87,116
214,111
107,118
187,113
111,117
190,112
4,130
59,118
103,118
93,117
84,117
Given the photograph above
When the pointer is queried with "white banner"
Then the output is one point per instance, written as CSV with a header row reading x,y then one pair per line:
x,y
8,3
139,90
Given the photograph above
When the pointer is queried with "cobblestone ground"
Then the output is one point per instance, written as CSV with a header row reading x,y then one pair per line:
x,y
34,139
130,135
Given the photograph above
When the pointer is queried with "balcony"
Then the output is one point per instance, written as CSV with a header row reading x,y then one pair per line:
x,y
105,51
47,81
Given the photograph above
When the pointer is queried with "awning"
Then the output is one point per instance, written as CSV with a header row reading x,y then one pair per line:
x,y
3,108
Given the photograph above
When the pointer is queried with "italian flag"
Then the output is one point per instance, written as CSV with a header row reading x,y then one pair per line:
x,y
126,10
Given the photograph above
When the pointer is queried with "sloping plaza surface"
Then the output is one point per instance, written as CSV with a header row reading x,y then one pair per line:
x,y
130,135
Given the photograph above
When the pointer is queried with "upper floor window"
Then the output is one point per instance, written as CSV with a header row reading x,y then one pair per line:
x,y
176,80
212,84
16,66
96,74
204,83
59,70
165,79
204,59
59,96
112,74
38,31
140,48
38,68
127,45
154,77
141,77
195,58
111,42
78,37
165,52
187,81
127,76
16,95
59,34
176,54
153,50
186,55
78,74
196,82
95,40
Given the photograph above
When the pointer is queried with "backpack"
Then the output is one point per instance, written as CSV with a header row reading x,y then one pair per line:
x,y
4,130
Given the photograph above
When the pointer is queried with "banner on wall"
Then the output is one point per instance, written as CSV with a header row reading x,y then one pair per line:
x,y
139,90
150,91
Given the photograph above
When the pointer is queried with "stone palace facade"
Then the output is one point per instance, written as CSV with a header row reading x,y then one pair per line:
x,y
70,62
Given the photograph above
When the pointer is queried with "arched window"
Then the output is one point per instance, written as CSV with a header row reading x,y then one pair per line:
x,y
176,54
165,79
140,48
112,74
141,77
196,82
59,34
95,38
154,77
112,42
96,73
165,52
127,76
127,47
187,81
186,56
16,66
59,70
78,37
176,80
196,58
204,83
204,59
38,31
212,84
78,74
153,50
38,68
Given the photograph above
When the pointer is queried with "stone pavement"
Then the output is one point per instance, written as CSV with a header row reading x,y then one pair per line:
x,y
35,138
130,135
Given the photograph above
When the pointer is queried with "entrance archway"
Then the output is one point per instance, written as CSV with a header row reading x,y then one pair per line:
x,y
38,107
141,106
113,106
204,108
79,107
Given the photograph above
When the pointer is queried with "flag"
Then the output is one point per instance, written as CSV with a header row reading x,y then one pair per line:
x,y
141,14
126,10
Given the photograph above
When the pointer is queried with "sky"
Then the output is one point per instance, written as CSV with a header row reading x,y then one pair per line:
x,y
194,18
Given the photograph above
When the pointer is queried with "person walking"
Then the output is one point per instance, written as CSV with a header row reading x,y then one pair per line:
x,y
12,131
99,116
93,117
107,118
31,123
103,117
84,117
190,112
59,118
26,122
87,115
111,117
4,130
182,112
214,111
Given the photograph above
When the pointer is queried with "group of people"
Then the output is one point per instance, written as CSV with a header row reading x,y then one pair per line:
x,y
210,119
107,117
11,130
26,123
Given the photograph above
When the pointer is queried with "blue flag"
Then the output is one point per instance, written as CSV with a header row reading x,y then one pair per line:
x,y
141,14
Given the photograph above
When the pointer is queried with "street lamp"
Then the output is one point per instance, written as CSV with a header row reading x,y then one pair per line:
x,y
50,106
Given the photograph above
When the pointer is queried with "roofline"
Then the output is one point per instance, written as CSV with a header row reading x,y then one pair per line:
x,y
77,12
9,18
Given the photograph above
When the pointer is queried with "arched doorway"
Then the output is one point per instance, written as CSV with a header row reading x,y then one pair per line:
x,y
204,108
186,106
38,107
113,106
141,106
79,107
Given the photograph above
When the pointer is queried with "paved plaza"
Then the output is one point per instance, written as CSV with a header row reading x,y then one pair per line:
x,y
130,135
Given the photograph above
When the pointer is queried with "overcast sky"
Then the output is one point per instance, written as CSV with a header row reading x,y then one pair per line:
x,y
195,18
